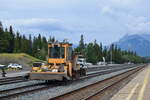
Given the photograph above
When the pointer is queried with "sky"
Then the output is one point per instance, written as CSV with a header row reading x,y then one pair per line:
x,y
104,20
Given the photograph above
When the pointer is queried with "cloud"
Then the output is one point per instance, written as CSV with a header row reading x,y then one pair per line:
x,y
139,25
104,20
129,14
125,2
39,24
107,10
34,21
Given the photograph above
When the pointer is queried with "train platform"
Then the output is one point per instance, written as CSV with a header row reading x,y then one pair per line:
x,y
15,74
137,89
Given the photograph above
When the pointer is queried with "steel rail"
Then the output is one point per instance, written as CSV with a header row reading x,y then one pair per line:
x,y
86,90
21,93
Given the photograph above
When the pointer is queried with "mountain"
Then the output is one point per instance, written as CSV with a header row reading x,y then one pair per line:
x,y
146,36
137,42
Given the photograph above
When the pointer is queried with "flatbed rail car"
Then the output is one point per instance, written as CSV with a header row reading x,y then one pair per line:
x,y
61,64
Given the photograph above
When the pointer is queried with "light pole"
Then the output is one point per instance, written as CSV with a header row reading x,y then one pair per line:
x,y
111,54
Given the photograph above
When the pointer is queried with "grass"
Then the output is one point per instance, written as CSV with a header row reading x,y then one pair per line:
x,y
21,58
18,55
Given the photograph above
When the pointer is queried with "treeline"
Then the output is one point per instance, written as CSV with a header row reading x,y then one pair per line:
x,y
94,53
11,42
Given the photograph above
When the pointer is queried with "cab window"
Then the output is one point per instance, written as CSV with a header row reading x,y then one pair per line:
x,y
56,52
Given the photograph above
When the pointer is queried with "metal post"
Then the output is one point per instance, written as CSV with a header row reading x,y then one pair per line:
x,y
111,54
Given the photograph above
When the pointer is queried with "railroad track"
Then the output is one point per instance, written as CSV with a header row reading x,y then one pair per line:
x,y
103,72
11,80
20,91
95,91
109,67
18,79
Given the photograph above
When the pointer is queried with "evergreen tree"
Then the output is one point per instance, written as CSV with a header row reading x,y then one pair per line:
x,y
39,41
81,47
81,43
30,45
11,41
53,39
90,55
6,30
4,39
101,52
24,44
97,51
17,43
5,42
1,28
35,47
106,54
43,51
1,38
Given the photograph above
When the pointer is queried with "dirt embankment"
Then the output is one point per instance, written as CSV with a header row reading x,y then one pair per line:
x,y
19,58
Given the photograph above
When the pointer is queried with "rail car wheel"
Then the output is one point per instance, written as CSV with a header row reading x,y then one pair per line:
x,y
82,72
77,75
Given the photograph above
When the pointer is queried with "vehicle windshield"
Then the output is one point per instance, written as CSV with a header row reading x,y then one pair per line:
x,y
56,52
37,64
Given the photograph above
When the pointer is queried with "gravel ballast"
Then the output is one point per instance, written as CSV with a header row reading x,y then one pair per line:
x,y
58,90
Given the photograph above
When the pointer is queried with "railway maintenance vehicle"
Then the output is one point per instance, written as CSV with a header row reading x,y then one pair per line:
x,y
62,64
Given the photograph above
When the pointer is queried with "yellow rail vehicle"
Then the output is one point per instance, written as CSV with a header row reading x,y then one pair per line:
x,y
62,64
